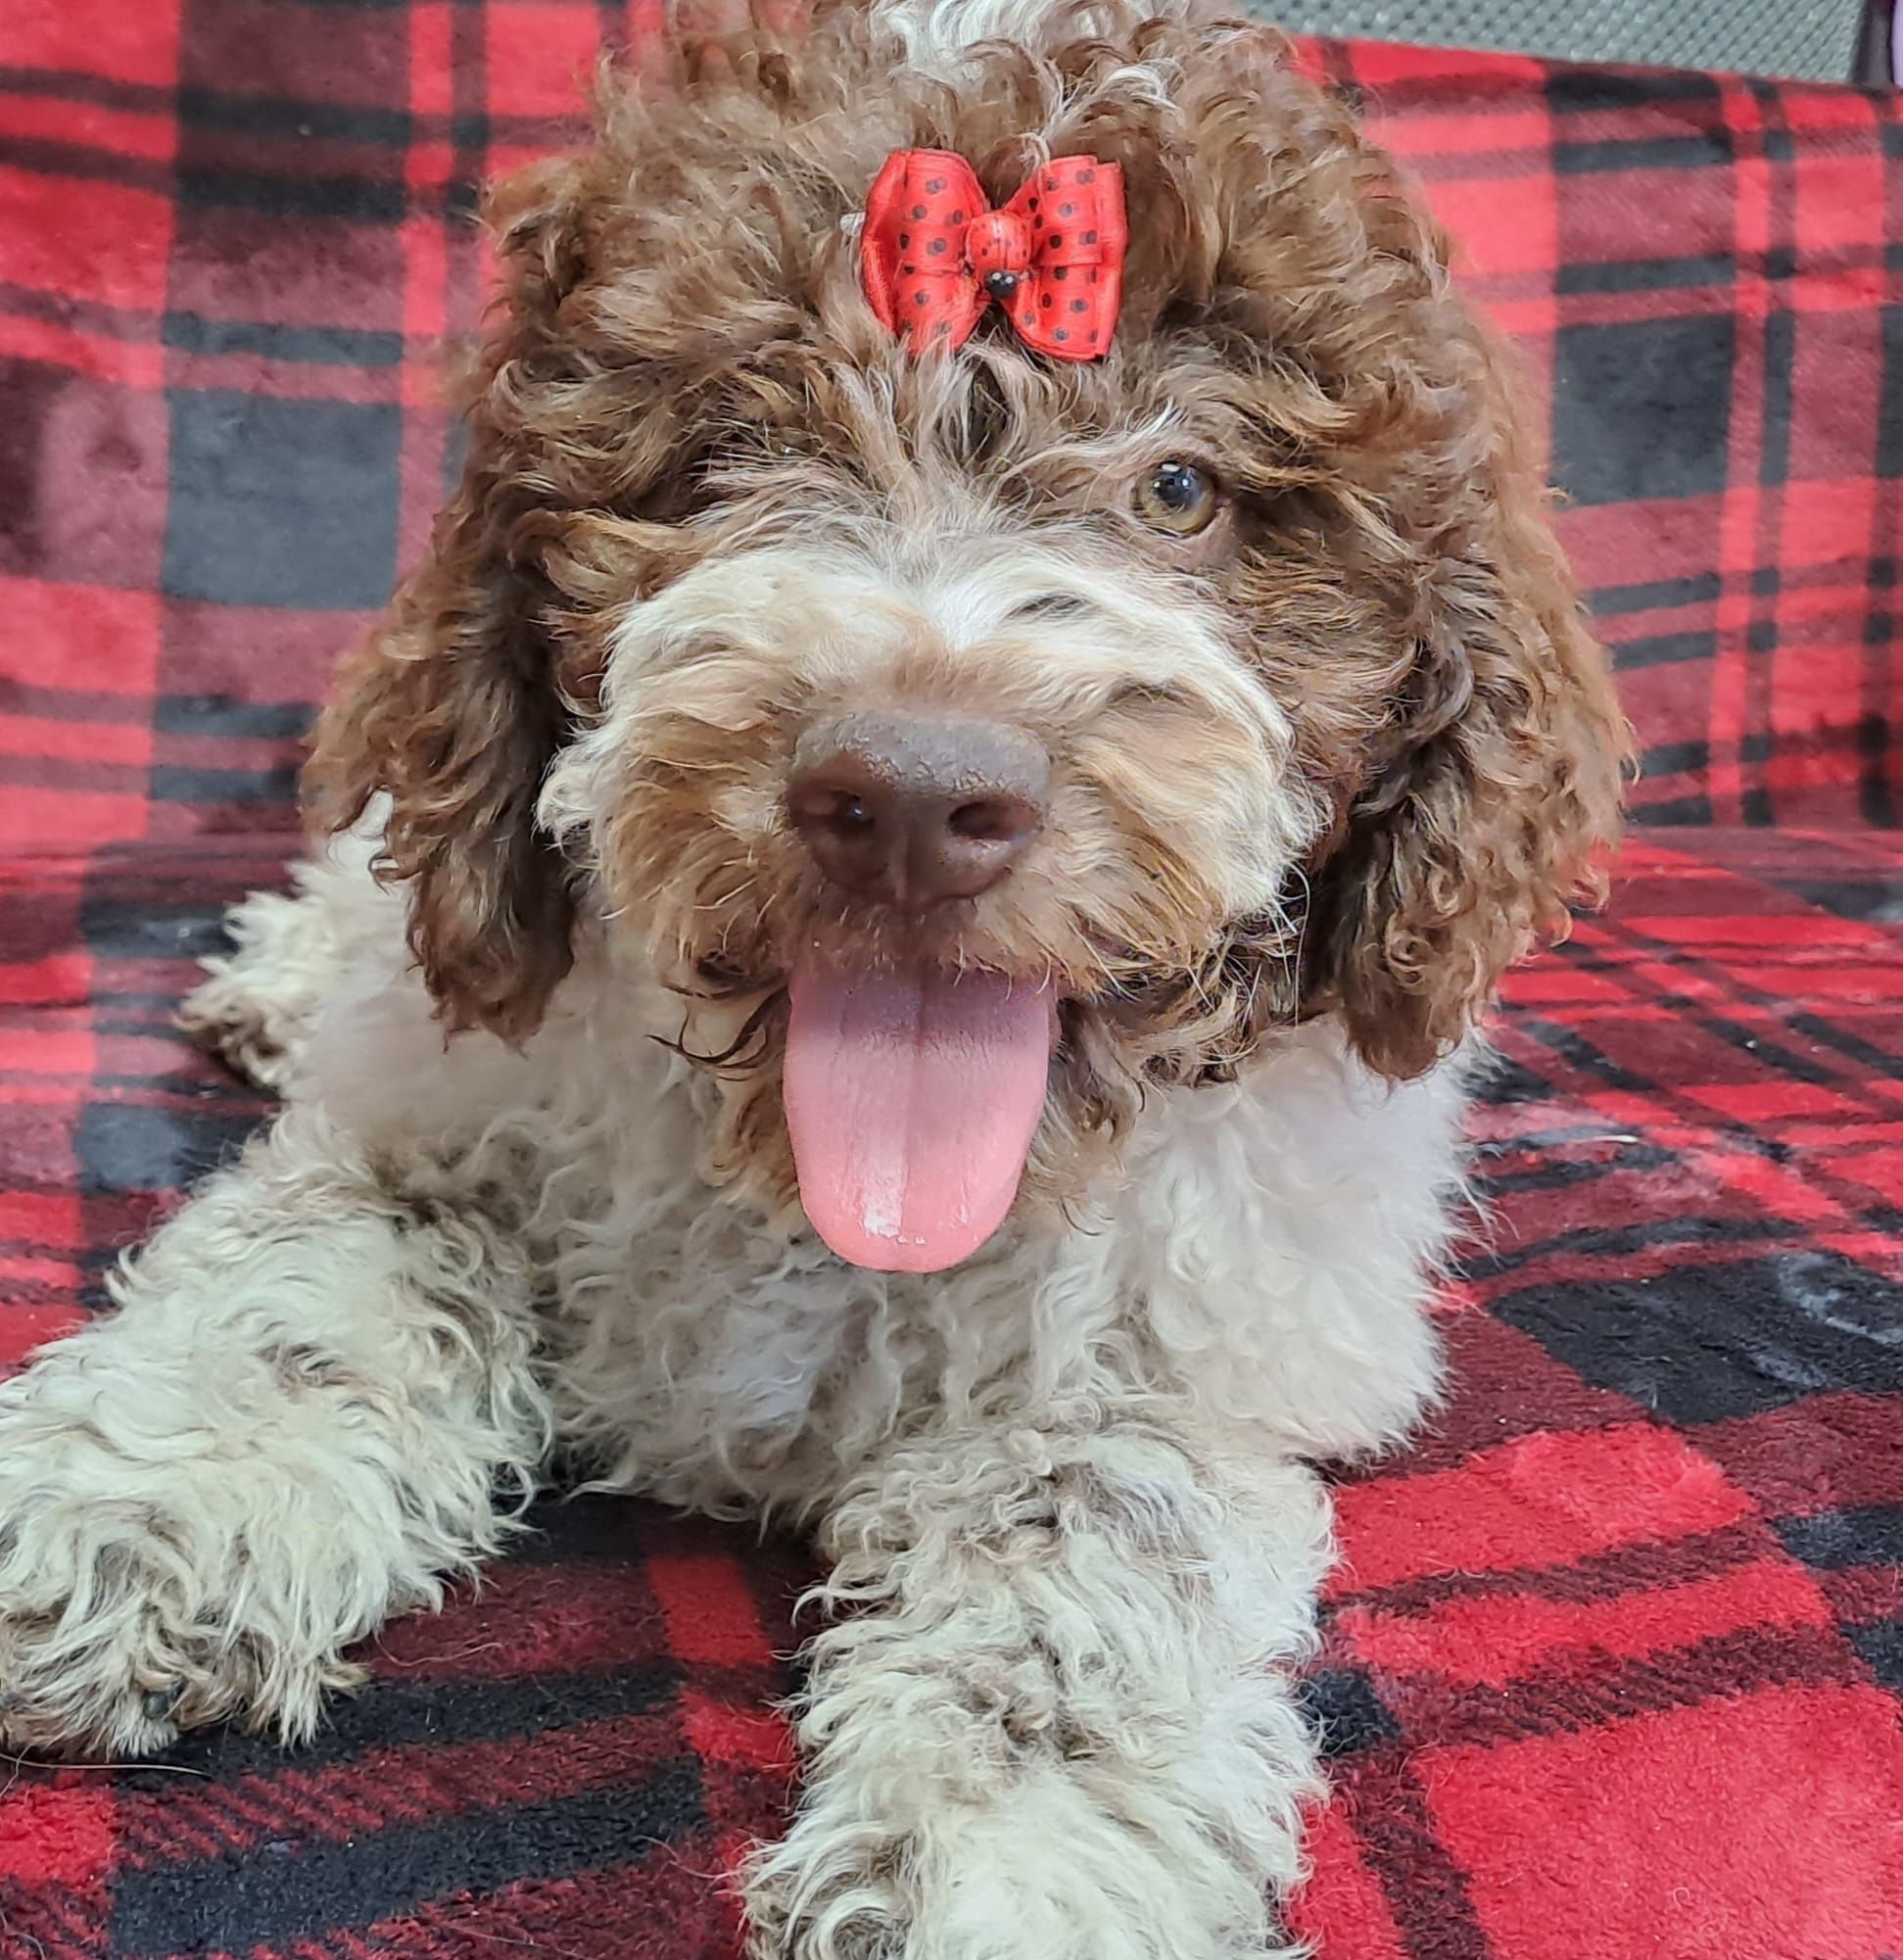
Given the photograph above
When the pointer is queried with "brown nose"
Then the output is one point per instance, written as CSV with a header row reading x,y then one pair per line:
x,y
914,811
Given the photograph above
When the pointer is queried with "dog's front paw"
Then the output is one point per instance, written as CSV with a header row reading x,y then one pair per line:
x,y
109,1667
1036,1875
129,1608
840,1903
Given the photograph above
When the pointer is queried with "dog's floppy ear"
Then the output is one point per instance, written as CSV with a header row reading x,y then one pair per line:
x,y
1482,819
453,708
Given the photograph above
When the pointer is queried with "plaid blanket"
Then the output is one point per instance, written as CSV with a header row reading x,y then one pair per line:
x,y
1612,1662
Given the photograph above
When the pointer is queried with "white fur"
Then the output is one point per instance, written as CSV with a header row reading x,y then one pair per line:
x,y
936,35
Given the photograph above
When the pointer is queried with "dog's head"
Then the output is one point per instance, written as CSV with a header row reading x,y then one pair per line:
x,y
974,740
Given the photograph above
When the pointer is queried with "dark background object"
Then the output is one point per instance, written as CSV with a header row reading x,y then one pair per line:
x,y
1876,65
1814,39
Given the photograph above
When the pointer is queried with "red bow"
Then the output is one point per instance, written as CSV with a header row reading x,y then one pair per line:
x,y
934,255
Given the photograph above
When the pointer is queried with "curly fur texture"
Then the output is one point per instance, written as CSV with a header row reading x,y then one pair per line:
x,y
1318,775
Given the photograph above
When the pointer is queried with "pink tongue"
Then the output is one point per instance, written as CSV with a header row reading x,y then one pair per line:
x,y
913,1094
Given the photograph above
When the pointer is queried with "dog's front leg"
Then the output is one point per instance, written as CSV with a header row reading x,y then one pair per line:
x,y
312,1402
1055,1721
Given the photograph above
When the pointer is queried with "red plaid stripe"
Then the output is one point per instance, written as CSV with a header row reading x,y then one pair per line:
x,y
1611,1664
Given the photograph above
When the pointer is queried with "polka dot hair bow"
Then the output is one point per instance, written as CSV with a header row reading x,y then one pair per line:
x,y
933,254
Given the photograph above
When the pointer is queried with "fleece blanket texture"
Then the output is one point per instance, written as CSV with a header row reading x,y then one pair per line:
x,y
1614,1657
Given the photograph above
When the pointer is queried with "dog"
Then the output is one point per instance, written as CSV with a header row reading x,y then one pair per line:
x,y
900,919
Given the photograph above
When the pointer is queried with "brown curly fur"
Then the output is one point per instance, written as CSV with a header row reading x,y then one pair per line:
x,y
683,359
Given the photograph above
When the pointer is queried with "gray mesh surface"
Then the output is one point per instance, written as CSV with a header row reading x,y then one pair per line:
x,y
1787,37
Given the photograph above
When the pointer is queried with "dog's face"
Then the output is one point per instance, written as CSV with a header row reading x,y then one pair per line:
x,y
972,740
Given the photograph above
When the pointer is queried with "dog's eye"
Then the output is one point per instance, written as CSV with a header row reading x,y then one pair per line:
x,y
1177,497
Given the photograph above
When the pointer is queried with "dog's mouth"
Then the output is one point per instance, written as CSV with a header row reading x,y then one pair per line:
x,y
913,1091
916,1062
914,1070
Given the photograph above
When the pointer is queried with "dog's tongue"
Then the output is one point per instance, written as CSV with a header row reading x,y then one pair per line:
x,y
913,1094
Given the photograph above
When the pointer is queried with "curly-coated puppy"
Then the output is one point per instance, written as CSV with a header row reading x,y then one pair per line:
x,y
908,891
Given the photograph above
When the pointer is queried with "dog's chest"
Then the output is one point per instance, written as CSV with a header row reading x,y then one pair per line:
x,y
708,1351
1261,1257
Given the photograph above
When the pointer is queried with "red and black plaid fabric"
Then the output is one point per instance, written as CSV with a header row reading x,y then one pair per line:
x,y
1612,1665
